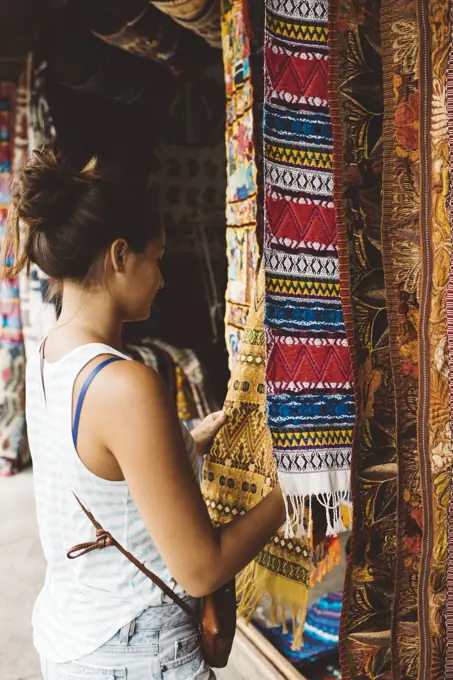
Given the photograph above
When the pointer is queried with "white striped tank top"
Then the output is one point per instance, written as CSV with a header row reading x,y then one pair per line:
x,y
85,601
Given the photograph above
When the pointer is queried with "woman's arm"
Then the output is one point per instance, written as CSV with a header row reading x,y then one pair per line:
x,y
139,425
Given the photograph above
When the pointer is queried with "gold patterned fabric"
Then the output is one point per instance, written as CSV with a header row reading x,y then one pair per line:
x,y
239,472
440,442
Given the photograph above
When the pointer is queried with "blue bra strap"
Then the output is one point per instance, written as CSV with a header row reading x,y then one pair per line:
x,y
83,393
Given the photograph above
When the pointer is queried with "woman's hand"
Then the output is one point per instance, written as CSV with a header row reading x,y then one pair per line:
x,y
205,432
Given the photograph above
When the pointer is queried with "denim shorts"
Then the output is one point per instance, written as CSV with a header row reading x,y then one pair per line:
x,y
161,644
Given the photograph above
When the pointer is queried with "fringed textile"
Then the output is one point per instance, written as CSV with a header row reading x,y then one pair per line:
x,y
321,635
240,471
310,402
241,199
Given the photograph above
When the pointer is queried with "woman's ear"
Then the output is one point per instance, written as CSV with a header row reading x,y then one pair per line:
x,y
118,253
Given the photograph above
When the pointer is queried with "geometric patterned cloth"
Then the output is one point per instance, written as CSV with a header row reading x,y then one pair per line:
x,y
310,403
241,198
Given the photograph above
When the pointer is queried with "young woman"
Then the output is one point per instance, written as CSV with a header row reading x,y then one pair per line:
x,y
103,428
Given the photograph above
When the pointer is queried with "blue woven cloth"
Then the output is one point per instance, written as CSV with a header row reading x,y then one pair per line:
x,y
321,634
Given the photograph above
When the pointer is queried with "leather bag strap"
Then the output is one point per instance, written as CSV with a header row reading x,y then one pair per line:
x,y
104,539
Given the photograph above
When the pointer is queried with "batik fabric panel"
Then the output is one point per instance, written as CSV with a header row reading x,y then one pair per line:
x,y
310,402
438,485
241,199
13,442
449,603
404,250
356,99
239,472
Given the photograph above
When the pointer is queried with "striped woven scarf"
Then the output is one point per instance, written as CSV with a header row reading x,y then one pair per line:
x,y
310,402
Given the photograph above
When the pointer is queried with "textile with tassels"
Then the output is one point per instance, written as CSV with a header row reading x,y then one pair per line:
x,y
240,471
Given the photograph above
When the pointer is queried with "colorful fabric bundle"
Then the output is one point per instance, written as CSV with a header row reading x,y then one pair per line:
x,y
183,375
310,403
241,199
14,453
321,633
200,16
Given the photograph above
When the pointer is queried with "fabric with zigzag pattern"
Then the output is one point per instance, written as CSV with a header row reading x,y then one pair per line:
x,y
310,403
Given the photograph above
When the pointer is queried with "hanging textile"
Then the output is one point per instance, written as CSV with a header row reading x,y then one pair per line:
x,y
356,99
395,589
241,199
200,16
437,486
449,603
240,471
321,636
310,401
14,454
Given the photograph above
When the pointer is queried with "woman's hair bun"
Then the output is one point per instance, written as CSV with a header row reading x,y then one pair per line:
x,y
46,191
64,220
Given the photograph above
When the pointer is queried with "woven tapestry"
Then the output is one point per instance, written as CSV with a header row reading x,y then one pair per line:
x,y
357,106
240,471
310,403
241,200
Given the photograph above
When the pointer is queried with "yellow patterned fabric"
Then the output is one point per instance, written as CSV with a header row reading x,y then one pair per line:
x,y
240,471
440,443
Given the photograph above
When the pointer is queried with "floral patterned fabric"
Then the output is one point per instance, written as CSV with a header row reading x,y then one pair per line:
x,y
391,163
356,98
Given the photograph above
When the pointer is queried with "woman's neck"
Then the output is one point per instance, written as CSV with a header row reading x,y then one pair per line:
x,y
90,314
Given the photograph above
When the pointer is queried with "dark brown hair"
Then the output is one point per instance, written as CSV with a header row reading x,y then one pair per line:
x,y
63,221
